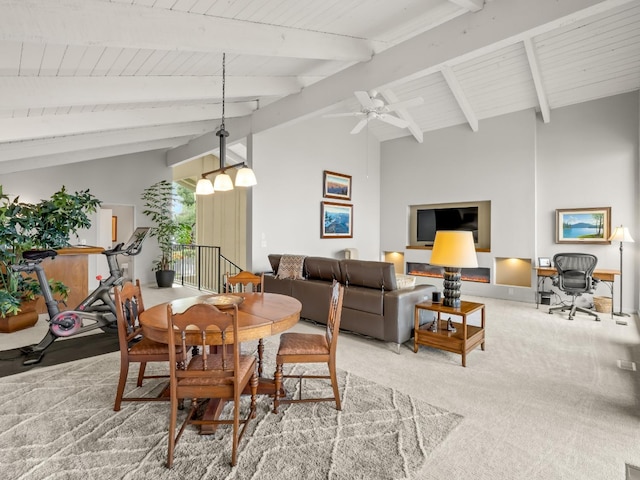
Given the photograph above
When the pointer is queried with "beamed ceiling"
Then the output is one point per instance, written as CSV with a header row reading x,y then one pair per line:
x,y
89,79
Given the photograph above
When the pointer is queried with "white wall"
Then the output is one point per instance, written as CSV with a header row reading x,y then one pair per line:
x,y
457,165
289,162
117,180
587,156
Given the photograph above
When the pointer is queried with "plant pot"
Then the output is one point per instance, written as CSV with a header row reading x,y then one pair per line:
x,y
27,318
164,278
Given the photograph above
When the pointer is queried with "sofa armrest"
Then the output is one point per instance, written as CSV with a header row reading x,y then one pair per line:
x,y
399,310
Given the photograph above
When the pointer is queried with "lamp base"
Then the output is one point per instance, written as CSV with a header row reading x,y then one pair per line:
x,y
621,314
451,293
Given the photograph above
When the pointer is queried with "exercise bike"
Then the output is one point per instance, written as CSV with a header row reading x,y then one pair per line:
x,y
98,310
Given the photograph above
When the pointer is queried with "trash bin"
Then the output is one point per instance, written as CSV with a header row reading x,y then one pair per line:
x,y
603,304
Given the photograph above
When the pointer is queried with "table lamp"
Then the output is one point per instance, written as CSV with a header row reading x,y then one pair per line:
x,y
453,250
621,234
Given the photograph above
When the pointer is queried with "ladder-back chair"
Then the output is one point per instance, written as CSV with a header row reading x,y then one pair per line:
x,y
240,283
134,348
220,375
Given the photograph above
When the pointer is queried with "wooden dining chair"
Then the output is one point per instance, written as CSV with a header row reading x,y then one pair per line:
x,y
134,347
312,348
240,283
220,375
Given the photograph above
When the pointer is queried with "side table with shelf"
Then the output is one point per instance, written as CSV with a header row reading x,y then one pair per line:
x,y
462,341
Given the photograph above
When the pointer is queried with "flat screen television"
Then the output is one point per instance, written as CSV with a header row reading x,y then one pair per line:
x,y
430,220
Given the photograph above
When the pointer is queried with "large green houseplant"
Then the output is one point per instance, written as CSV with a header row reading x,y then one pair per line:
x,y
46,224
159,199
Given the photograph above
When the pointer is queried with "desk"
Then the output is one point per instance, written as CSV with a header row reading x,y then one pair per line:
x,y
260,315
604,275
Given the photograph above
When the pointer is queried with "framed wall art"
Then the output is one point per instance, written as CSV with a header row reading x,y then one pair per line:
x,y
336,220
583,225
336,185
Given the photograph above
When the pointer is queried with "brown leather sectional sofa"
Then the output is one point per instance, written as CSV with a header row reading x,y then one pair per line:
x,y
373,304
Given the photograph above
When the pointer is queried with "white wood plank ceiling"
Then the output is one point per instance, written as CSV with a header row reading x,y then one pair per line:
x,y
88,79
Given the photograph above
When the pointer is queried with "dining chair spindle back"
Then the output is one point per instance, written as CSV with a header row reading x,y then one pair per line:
x,y
213,372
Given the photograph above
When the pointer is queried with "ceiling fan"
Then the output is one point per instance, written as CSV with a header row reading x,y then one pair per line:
x,y
374,108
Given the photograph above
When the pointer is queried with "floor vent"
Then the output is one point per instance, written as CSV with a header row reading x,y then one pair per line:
x,y
621,322
627,365
633,473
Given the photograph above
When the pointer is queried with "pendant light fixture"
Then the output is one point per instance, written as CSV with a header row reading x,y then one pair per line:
x,y
222,183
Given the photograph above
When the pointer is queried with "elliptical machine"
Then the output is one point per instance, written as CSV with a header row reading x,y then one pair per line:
x,y
98,310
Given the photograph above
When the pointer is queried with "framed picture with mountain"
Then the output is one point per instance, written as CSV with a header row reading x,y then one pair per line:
x,y
336,220
336,185
583,225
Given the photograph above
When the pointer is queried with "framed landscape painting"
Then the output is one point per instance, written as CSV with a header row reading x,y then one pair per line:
x,y
336,220
583,225
336,185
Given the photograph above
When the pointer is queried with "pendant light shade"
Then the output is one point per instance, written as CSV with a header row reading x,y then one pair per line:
x,y
245,177
204,187
222,183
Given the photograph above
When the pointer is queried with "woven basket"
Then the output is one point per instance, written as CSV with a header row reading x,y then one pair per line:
x,y
603,304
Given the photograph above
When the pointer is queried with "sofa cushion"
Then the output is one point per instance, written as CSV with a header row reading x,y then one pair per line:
x,y
321,268
291,267
364,300
275,285
363,273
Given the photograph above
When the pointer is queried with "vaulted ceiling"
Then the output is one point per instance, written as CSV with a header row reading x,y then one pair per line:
x,y
89,79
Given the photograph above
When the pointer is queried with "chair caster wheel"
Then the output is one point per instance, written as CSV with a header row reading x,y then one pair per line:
x,y
597,319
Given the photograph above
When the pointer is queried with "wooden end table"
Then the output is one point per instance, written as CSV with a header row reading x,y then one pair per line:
x,y
462,341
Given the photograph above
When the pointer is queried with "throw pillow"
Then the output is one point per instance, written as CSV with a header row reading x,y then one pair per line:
x,y
291,267
405,281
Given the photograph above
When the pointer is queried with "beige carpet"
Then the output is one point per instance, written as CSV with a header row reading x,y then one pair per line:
x,y
58,423
545,401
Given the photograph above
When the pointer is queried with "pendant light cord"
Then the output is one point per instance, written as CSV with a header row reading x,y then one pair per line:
x,y
224,78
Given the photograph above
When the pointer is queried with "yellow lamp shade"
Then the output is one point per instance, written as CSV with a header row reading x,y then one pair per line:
x,y
454,249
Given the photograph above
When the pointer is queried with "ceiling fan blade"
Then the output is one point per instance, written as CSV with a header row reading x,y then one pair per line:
x,y
398,122
364,99
361,124
414,102
346,114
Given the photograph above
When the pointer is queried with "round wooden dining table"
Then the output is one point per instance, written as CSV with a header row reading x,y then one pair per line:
x,y
260,315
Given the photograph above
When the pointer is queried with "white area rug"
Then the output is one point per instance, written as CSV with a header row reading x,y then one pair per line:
x,y
59,423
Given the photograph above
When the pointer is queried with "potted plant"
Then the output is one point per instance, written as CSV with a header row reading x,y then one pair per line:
x,y
158,203
43,225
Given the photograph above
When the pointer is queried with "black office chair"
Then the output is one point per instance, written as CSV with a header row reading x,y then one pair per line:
x,y
575,277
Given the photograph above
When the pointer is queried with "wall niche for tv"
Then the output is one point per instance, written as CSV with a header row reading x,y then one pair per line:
x,y
425,220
